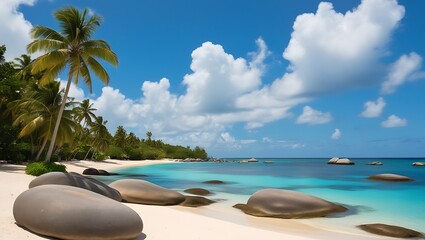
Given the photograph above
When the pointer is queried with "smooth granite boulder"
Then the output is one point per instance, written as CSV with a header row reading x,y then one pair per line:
x,y
196,201
340,161
67,212
391,230
390,178
198,191
280,203
94,171
76,180
419,164
144,192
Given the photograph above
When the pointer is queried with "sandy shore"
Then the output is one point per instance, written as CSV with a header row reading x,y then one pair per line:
x,y
171,222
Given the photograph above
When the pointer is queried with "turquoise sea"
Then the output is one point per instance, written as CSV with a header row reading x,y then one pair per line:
x,y
398,203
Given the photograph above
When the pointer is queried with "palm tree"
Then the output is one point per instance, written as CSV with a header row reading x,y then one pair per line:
x,y
23,66
36,113
84,111
73,48
101,136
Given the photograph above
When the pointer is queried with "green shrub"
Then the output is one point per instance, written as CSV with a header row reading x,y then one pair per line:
x,y
115,152
39,168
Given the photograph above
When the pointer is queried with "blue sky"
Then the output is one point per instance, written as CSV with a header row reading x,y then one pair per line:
x,y
280,78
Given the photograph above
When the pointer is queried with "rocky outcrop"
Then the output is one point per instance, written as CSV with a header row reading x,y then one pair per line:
x,y
340,161
390,178
76,180
390,230
198,191
418,164
98,172
67,212
196,201
144,192
214,182
287,204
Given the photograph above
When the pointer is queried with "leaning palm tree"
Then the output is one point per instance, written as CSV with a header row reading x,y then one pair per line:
x,y
71,48
36,113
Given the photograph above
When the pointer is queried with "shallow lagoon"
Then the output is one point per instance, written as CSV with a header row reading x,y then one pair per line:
x,y
398,203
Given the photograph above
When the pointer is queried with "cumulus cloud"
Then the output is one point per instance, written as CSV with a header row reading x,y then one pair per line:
x,y
406,68
373,109
336,134
394,121
313,117
14,28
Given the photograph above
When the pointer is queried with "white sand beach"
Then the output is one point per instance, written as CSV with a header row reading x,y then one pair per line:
x,y
170,222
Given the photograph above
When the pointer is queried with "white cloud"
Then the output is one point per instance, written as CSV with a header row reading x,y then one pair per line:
x,y
406,68
313,117
394,121
336,134
373,109
248,141
267,140
14,28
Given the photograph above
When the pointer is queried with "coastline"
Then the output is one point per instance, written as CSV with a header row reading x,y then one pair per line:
x,y
216,221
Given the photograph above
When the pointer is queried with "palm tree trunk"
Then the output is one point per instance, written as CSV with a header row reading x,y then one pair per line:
x,y
58,121
41,149
87,154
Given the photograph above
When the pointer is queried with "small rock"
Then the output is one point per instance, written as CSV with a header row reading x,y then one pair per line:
x,y
196,201
390,230
375,163
198,191
419,164
214,182
340,161
390,178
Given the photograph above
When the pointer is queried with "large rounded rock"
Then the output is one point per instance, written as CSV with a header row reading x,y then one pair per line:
x,y
390,230
76,180
390,178
288,204
144,192
67,212
333,160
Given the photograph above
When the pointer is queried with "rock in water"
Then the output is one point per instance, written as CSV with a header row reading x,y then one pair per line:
x,y
288,204
196,201
419,164
214,182
67,212
390,230
144,192
198,191
76,180
390,178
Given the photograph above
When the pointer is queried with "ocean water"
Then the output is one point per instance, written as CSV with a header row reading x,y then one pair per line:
x,y
398,203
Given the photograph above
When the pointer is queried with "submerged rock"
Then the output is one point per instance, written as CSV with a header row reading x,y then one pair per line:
x,y
67,212
280,203
390,230
196,201
214,182
76,180
144,192
198,191
390,178
375,163
100,172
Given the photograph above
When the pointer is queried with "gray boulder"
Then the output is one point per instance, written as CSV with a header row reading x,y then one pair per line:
x,y
144,192
390,178
76,180
340,161
375,163
390,230
287,204
67,212
196,201
198,191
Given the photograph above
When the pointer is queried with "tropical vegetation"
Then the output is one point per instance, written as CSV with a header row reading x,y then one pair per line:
x,y
36,112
